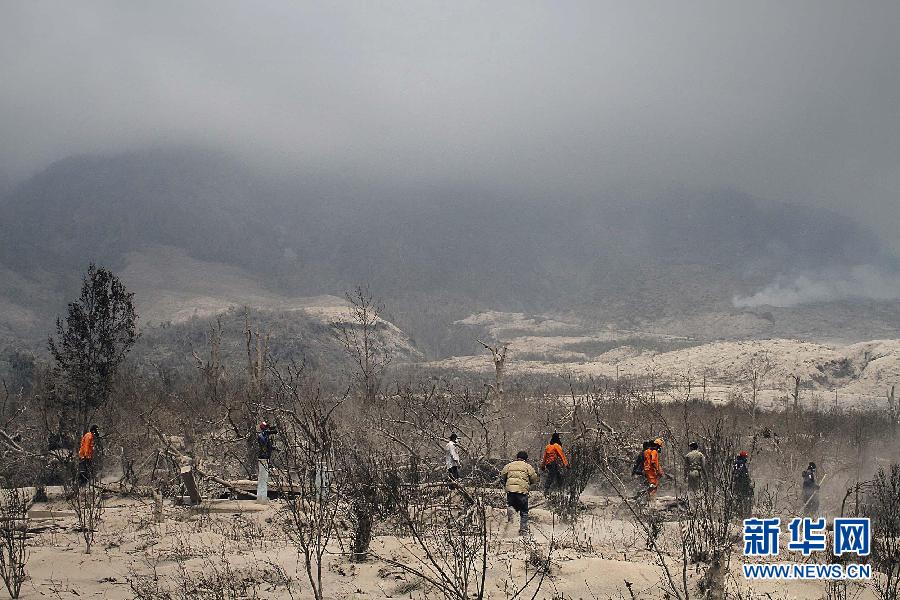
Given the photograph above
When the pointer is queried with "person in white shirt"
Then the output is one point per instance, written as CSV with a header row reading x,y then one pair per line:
x,y
452,461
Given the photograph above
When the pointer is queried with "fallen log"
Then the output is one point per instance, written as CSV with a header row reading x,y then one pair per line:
x,y
226,484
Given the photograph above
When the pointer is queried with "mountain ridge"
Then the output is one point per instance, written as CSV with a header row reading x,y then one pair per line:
x,y
442,250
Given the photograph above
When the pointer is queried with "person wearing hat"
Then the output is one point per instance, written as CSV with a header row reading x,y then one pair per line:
x,y
810,491
694,467
742,484
652,469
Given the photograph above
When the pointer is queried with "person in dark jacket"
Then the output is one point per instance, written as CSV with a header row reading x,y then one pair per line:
x,y
742,484
810,491
265,442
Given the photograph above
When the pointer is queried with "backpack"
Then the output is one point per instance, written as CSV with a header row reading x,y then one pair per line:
x,y
638,467
264,441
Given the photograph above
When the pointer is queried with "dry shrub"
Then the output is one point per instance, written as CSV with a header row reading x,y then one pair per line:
x,y
883,508
13,539
448,543
87,501
213,580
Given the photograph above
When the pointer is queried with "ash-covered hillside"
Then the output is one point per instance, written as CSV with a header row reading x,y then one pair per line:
x,y
433,253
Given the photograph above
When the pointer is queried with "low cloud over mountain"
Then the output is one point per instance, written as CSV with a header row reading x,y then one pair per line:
x,y
443,250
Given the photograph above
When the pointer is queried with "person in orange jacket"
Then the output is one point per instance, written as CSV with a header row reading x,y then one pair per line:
x,y
86,455
553,462
652,469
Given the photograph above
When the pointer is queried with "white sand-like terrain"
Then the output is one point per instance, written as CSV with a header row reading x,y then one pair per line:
x,y
244,542
859,374
171,286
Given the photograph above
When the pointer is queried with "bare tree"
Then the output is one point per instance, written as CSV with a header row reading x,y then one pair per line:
x,y
893,409
754,372
310,440
212,369
359,338
498,356
364,494
87,501
231,406
796,393
257,345
883,508
13,539
449,547
706,527
257,351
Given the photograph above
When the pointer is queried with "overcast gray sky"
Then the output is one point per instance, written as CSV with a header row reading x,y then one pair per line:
x,y
797,101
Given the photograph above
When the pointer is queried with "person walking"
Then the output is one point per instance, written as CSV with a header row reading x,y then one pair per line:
x,y
86,455
265,448
637,470
264,441
637,467
694,467
452,461
553,462
810,491
652,469
517,478
742,484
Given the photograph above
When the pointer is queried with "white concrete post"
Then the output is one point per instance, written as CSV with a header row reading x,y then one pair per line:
x,y
262,482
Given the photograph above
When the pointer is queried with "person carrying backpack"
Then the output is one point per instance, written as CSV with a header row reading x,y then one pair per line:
x,y
637,467
652,469
553,461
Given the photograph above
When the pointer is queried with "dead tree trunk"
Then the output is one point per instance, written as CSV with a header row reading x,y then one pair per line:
x,y
796,394
257,351
893,411
495,398
498,355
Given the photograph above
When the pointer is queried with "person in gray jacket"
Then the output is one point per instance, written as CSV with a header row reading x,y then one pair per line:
x,y
694,467
517,478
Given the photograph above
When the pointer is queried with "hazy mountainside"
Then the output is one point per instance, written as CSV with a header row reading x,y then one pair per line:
x,y
87,208
434,254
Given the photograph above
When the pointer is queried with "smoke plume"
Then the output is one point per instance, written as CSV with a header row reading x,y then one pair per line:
x,y
862,281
